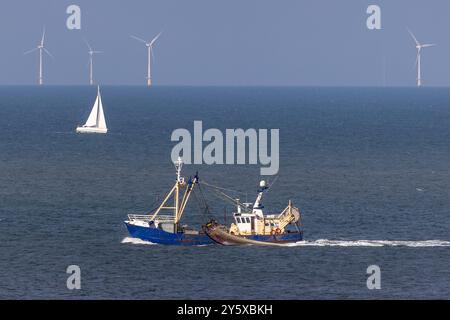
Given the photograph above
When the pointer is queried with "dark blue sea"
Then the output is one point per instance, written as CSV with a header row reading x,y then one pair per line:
x,y
369,168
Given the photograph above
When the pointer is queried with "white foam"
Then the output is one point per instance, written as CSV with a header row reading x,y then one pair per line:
x,y
339,243
371,243
136,241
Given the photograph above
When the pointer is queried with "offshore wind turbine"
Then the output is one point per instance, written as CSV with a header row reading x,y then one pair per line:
x,y
149,46
419,48
91,62
41,49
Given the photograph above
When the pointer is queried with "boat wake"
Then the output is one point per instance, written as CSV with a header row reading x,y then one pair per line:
x,y
338,243
137,241
371,243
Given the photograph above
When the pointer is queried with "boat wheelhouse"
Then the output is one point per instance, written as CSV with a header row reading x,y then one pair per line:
x,y
252,226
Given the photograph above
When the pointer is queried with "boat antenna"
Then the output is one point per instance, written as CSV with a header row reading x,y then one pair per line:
x,y
178,166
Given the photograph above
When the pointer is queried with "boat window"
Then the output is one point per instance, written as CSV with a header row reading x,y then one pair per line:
x,y
248,220
238,220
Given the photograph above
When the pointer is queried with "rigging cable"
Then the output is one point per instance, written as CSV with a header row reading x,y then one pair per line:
x,y
205,208
227,197
220,188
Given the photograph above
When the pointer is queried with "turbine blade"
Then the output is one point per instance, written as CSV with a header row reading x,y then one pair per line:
x,y
155,38
428,45
139,39
97,51
43,37
153,56
414,38
48,52
30,51
87,43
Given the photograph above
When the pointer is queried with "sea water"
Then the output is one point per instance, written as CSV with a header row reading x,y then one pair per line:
x,y
368,167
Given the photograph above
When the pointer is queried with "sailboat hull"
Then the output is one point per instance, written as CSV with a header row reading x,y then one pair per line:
x,y
159,236
91,130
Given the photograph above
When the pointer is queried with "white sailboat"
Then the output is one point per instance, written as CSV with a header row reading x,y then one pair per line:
x,y
96,122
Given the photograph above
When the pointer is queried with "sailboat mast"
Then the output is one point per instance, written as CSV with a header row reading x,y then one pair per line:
x,y
98,107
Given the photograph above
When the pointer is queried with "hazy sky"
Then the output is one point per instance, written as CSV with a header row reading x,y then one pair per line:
x,y
228,42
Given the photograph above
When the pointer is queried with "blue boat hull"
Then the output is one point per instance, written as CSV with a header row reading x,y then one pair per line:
x,y
159,236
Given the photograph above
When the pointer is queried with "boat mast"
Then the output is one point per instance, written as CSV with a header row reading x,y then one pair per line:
x,y
180,181
178,207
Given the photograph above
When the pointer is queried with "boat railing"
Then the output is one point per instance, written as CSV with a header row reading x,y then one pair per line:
x,y
147,218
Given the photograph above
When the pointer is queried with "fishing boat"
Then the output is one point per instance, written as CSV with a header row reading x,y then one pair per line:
x,y
166,229
252,227
96,122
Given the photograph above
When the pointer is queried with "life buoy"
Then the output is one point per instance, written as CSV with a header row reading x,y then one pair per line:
x,y
272,232
277,230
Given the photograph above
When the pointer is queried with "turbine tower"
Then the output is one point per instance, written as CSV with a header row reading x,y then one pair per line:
x,y
419,48
41,49
150,56
91,62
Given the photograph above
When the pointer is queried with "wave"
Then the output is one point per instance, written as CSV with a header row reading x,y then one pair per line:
x,y
338,243
136,241
371,243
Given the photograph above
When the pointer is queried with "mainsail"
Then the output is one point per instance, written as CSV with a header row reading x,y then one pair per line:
x,y
101,123
96,117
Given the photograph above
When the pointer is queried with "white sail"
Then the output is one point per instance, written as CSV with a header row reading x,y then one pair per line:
x,y
92,120
101,122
